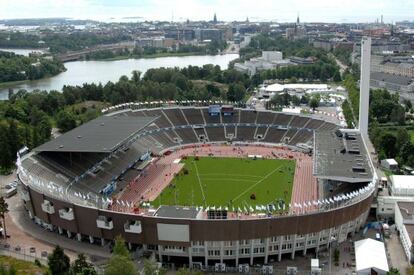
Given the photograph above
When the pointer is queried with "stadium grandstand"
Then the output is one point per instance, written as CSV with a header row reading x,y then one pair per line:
x,y
302,181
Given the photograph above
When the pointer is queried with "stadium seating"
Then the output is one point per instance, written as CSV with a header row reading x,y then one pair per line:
x,y
245,133
162,121
265,117
282,120
274,135
200,132
248,116
302,136
231,119
210,119
215,133
314,124
193,116
261,132
230,131
298,121
175,116
187,135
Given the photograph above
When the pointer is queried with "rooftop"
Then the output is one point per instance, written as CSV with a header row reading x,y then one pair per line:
x,y
177,212
402,181
391,78
341,156
370,254
102,135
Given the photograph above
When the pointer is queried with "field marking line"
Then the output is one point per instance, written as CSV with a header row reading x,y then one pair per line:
x,y
223,174
227,179
265,177
199,182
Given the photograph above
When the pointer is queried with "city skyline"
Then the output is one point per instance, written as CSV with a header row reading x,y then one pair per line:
x,y
128,10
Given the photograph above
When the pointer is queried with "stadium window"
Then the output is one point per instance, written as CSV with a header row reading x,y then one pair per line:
x,y
262,250
256,250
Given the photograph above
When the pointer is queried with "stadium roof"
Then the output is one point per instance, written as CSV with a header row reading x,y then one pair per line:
x,y
340,158
102,135
177,212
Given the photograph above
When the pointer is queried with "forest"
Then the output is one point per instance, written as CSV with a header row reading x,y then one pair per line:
x,y
17,67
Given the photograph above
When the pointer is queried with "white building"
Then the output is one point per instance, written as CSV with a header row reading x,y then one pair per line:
x,y
370,257
402,185
390,164
404,221
401,189
308,88
269,60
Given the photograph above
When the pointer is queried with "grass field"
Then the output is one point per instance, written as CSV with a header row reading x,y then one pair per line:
x,y
21,267
229,182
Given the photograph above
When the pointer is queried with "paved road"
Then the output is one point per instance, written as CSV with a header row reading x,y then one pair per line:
x,y
25,233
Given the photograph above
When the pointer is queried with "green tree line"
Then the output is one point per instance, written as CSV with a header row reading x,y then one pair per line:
x,y
28,117
17,67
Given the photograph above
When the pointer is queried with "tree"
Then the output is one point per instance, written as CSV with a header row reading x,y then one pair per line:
x,y
398,114
236,92
65,121
151,268
120,261
81,266
13,138
136,76
402,138
393,271
58,261
120,248
4,208
5,152
314,103
388,143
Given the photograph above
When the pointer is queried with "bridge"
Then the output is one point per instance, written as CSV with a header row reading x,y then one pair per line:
x,y
77,55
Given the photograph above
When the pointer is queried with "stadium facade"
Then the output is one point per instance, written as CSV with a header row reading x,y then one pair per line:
x,y
66,184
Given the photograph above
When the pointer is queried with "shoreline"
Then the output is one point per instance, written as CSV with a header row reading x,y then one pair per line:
x,y
157,55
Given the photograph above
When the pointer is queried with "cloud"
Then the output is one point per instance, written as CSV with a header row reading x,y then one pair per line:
x,y
228,10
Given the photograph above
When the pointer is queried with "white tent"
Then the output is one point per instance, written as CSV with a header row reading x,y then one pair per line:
x,y
370,255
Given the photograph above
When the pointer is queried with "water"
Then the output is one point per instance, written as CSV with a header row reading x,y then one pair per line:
x,y
80,72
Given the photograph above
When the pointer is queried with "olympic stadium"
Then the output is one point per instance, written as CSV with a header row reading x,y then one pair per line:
x,y
202,185
205,186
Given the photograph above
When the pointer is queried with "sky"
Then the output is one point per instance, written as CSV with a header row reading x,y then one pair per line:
x,y
227,10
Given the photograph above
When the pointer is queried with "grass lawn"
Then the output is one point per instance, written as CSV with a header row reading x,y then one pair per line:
x,y
22,267
229,182
411,133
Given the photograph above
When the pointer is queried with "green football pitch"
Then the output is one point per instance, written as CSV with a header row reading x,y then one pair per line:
x,y
229,182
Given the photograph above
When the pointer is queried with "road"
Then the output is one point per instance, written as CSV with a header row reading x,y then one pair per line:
x,y
342,66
